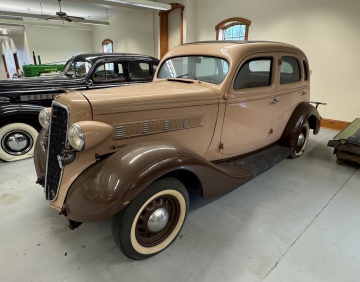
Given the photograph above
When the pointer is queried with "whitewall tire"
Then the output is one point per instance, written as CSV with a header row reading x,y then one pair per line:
x,y
17,141
152,221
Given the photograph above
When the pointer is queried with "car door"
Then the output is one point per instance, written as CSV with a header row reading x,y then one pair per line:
x,y
250,106
292,87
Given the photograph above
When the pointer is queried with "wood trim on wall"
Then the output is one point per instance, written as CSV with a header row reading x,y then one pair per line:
x,y
334,124
164,27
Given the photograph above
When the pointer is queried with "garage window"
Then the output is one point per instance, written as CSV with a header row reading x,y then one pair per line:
x,y
107,46
254,73
290,70
233,29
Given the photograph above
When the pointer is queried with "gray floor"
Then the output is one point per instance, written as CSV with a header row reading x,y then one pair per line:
x,y
299,221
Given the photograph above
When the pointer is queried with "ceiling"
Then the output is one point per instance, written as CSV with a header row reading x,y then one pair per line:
x,y
90,10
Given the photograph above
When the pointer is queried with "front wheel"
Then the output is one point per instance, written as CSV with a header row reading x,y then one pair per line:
x,y
152,221
17,141
301,141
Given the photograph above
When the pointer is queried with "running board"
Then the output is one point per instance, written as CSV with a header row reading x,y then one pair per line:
x,y
257,163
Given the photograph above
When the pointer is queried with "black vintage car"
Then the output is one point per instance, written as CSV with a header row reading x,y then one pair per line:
x,y
22,99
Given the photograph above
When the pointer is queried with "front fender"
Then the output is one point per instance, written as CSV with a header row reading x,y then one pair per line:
x,y
302,113
106,187
40,156
16,110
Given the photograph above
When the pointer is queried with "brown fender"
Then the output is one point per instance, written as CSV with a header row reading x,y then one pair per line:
x,y
302,113
40,158
106,187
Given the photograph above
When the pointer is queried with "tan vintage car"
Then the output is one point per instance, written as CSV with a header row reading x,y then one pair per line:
x,y
216,115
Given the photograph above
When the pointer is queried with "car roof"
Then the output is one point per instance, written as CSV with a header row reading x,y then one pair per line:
x,y
232,50
93,57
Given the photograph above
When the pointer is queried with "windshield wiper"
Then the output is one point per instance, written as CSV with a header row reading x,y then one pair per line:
x,y
189,76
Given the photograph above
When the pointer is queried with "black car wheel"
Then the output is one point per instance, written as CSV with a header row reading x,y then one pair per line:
x,y
17,141
152,221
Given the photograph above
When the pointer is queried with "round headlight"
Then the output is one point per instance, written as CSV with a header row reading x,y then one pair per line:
x,y
76,137
44,118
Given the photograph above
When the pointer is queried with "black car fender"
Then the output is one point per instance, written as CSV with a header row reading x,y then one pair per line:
x,y
14,112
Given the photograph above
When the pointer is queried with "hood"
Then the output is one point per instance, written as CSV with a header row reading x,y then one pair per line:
x,y
40,82
162,94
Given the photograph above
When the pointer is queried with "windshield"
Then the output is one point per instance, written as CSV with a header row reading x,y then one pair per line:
x,y
208,69
76,69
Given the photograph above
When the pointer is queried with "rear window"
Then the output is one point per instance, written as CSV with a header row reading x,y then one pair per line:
x,y
290,70
139,71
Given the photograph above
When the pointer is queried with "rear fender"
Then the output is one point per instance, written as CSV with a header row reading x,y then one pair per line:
x,y
302,113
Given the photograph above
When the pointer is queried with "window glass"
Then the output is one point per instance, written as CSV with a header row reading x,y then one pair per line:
x,y
254,73
107,46
76,69
208,69
109,71
139,71
233,29
235,32
290,70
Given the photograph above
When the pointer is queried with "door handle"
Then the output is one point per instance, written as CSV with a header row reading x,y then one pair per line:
x,y
303,93
275,101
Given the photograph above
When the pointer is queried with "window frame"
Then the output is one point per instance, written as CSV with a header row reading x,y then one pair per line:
x,y
230,22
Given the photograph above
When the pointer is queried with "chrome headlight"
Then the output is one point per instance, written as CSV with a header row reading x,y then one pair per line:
x,y
44,118
76,137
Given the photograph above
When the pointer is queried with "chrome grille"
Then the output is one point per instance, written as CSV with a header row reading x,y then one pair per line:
x,y
57,143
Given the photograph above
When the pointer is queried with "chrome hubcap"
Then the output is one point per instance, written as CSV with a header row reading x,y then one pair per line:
x,y
17,143
301,140
158,220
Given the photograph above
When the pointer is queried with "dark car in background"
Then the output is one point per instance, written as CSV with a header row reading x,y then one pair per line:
x,y
22,99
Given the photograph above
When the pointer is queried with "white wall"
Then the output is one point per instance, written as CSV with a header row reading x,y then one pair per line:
x,y
132,31
15,42
57,44
327,30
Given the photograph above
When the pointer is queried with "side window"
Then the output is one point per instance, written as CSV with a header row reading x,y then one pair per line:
x,y
306,71
139,71
290,70
109,72
254,73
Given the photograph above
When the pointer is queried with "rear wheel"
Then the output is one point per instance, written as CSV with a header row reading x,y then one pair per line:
x,y
17,141
152,221
301,141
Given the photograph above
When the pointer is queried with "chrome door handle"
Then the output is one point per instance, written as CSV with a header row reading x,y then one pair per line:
x,y
275,101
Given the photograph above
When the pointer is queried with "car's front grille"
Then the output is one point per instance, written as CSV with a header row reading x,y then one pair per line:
x,y
57,143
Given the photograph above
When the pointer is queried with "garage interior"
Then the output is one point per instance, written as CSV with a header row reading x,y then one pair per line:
x,y
299,221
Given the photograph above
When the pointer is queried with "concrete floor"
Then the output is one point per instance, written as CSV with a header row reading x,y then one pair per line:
x,y
299,221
